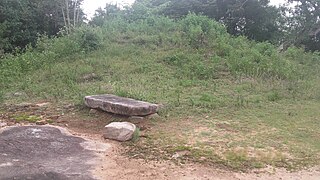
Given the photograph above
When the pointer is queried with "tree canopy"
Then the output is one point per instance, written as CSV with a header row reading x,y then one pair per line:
x,y
255,19
302,23
22,21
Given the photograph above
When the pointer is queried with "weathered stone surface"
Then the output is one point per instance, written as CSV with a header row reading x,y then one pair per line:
x,y
120,131
44,153
120,105
3,124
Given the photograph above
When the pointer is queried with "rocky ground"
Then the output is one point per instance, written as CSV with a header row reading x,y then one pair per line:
x,y
113,163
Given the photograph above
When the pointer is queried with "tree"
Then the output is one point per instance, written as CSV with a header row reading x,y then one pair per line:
x,y
101,15
21,21
302,23
252,18
71,13
255,19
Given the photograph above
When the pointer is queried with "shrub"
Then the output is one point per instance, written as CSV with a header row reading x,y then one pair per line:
x,y
57,47
199,30
88,38
257,60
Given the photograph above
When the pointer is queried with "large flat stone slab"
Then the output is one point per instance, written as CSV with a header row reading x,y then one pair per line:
x,y
120,105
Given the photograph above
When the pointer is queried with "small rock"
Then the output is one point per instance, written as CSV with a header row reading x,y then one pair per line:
x,y
136,119
16,94
180,154
120,131
142,128
19,94
24,105
60,120
3,124
42,104
93,111
68,106
41,122
54,117
153,116
89,77
176,155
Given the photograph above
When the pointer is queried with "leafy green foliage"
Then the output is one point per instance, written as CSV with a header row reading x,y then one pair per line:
x,y
21,22
302,24
101,15
198,29
89,39
254,19
162,49
46,53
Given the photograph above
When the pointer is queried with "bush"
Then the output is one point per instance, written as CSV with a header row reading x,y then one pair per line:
x,y
88,38
199,30
48,51
252,59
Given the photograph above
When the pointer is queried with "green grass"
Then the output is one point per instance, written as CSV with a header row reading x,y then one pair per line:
x,y
230,101
23,117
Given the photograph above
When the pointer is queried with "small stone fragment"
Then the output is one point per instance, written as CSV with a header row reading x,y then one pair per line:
x,y
16,94
68,106
41,122
42,104
179,154
93,111
153,116
120,131
3,124
89,77
136,119
24,105
54,117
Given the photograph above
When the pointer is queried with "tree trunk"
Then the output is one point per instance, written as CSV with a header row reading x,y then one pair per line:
x,y
68,15
74,13
64,19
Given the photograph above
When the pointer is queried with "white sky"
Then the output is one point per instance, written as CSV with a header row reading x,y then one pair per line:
x,y
89,6
277,2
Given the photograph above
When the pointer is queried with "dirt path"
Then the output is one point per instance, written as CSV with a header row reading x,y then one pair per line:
x,y
112,164
115,166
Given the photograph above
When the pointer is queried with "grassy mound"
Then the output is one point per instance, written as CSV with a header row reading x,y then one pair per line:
x,y
235,102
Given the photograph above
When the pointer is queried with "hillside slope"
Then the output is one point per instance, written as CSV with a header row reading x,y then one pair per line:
x,y
227,100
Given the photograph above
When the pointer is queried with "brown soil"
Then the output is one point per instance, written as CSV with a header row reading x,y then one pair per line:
x,y
113,164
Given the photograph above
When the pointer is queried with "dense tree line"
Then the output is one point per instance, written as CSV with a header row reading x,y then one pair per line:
x,y
302,23
297,22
